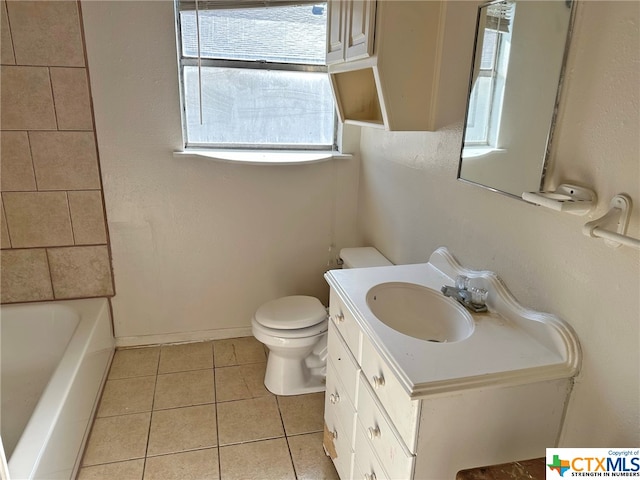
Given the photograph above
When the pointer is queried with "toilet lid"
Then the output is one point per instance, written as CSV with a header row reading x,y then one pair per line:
x,y
298,311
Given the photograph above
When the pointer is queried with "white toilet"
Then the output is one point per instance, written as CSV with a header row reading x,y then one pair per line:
x,y
295,331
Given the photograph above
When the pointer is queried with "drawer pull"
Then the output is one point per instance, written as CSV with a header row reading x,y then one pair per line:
x,y
339,317
370,476
378,381
374,432
334,398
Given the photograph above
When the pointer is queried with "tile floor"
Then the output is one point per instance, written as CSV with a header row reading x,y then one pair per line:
x,y
201,411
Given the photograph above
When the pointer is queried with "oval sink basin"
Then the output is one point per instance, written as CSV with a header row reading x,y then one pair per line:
x,y
420,312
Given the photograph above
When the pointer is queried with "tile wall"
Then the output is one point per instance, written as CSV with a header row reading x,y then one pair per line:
x,y
53,231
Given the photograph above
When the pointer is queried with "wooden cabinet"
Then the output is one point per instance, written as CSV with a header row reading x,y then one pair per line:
x,y
374,429
400,65
350,30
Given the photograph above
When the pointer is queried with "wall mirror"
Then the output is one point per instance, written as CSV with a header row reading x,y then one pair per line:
x,y
514,85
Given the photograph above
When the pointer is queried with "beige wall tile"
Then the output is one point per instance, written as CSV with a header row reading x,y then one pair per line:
x,y
5,241
25,276
80,272
87,217
26,99
129,470
7,57
16,167
46,33
267,460
71,96
196,465
180,429
65,160
38,219
114,439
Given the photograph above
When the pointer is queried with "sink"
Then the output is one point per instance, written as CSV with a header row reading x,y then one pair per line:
x,y
420,312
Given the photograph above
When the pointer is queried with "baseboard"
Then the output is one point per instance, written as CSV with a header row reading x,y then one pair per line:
x,y
183,337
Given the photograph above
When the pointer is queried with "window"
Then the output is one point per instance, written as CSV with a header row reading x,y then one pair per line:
x,y
485,103
254,76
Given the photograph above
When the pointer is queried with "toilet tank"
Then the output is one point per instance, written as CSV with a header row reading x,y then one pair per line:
x,y
361,257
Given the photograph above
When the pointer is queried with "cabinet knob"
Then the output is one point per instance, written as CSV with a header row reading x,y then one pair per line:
x,y
374,432
370,476
334,434
339,317
334,398
378,381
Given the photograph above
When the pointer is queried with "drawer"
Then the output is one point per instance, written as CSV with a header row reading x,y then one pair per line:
x,y
403,411
366,465
338,405
346,323
345,365
337,443
394,456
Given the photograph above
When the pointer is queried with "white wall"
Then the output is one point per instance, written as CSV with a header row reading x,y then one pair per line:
x,y
197,245
411,203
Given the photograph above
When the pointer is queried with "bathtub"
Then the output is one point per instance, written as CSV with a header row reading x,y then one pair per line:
x,y
54,358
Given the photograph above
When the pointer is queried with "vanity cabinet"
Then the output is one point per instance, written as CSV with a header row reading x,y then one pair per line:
x,y
400,65
376,430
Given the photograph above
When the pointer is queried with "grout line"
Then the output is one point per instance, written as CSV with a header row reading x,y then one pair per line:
x,y
153,402
215,392
286,437
13,44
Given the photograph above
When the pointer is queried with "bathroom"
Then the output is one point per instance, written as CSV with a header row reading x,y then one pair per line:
x,y
197,245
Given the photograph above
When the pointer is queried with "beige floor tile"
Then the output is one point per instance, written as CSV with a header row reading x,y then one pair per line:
x,y
130,470
302,413
309,459
241,382
184,389
115,439
238,351
266,460
188,356
195,465
249,420
135,362
181,429
127,395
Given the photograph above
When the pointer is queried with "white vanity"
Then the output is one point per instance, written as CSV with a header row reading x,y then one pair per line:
x,y
429,403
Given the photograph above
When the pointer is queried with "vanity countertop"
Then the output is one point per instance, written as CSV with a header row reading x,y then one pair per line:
x,y
509,345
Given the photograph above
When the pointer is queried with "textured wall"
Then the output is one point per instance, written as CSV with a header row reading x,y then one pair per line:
x,y
54,236
411,203
197,244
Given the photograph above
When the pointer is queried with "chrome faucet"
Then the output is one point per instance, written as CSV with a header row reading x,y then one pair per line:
x,y
471,297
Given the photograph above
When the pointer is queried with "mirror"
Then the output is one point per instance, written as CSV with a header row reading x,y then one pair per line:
x,y
514,85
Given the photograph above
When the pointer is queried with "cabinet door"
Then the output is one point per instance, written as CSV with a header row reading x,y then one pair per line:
x,y
336,17
360,23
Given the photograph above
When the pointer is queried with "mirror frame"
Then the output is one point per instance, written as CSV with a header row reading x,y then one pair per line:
x,y
572,4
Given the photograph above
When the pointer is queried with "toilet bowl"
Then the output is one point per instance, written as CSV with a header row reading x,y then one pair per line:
x,y
294,329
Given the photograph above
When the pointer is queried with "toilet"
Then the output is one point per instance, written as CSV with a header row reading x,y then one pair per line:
x,y
294,329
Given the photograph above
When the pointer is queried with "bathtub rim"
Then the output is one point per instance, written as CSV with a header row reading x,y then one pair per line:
x,y
25,460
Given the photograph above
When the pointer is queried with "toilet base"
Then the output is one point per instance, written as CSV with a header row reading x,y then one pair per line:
x,y
286,377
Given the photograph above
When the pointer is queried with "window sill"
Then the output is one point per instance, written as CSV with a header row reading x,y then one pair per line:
x,y
256,157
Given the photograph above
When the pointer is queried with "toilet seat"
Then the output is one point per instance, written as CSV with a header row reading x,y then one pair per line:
x,y
281,333
291,313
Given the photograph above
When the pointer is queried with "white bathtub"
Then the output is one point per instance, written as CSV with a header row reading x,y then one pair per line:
x,y
53,361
